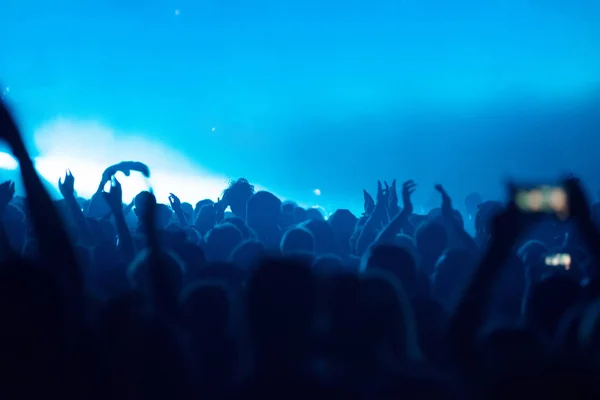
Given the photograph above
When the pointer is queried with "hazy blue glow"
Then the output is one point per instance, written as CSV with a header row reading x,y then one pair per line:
x,y
244,87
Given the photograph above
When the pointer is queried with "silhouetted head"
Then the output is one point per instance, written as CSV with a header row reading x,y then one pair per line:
x,y
395,260
451,275
242,226
263,214
98,207
388,320
434,213
191,235
206,218
192,256
297,241
431,240
220,242
406,242
300,214
325,241
163,216
173,234
247,254
287,220
485,214
141,202
188,211
237,195
200,204
315,213
343,223
288,207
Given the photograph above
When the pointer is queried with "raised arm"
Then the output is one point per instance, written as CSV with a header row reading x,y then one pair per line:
x,y
400,220
456,232
114,199
54,245
469,315
66,187
393,208
378,218
176,207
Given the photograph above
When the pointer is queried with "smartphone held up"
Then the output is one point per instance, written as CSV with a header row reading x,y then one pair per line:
x,y
562,260
544,199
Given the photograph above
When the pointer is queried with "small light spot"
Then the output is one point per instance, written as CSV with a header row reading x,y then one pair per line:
x,y
317,192
7,90
213,129
177,12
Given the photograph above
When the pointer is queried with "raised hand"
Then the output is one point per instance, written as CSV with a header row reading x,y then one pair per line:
x,y
446,200
175,202
114,198
369,203
381,195
7,193
54,245
67,186
408,188
393,198
220,207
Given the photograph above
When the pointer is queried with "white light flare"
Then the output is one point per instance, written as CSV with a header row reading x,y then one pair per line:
x,y
87,148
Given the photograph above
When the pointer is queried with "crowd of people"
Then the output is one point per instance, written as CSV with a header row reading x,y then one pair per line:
x,y
250,296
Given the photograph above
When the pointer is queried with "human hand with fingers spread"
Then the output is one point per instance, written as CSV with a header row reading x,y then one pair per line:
x,y
408,188
401,219
381,203
446,200
66,186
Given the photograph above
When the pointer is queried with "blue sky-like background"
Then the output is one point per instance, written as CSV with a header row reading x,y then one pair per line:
x,y
313,94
